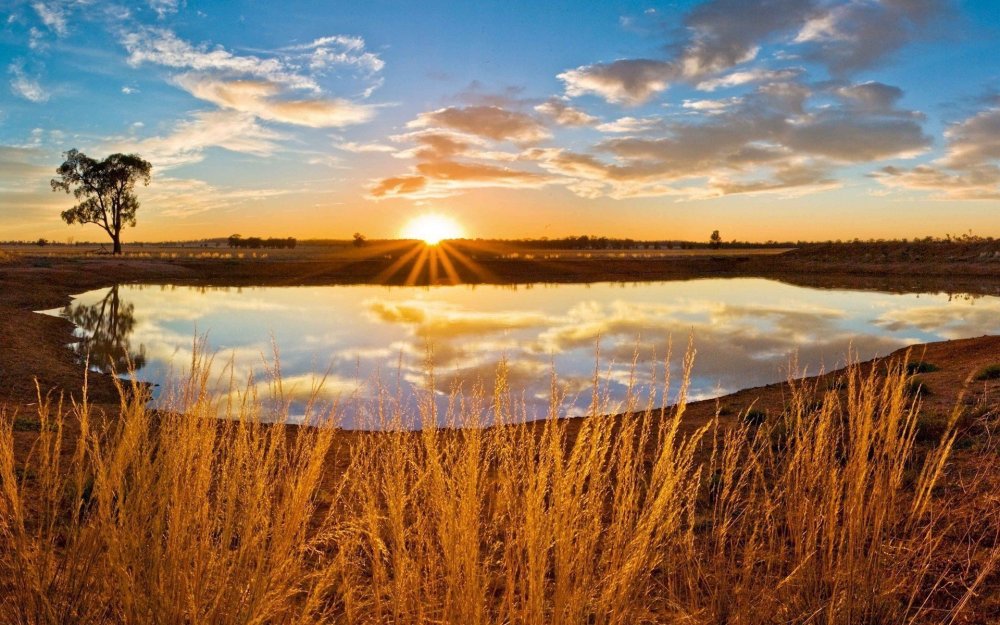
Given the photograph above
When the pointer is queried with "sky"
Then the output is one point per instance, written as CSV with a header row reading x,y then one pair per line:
x,y
764,119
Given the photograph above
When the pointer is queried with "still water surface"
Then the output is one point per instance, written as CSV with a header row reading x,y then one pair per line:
x,y
746,332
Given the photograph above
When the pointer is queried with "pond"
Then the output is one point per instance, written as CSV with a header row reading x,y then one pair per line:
x,y
361,340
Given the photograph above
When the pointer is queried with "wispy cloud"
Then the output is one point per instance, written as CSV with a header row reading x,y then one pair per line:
x,y
53,15
361,148
263,99
181,198
187,142
164,8
26,86
337,50
161,46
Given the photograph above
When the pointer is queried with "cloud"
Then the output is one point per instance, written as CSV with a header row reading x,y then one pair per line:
x,y
164,8
852,36
871,96
441,178
710,106
969,168
726,33
25,86
362,148
744,77
630,125
262,98
455,150
20,168
720,35
852,139
339,50
627,81
53,16
491,122
398,186
564,114
231,130
974,141
180,198
162,47
766,141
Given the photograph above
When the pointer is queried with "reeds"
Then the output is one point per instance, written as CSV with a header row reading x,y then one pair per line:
x,y
820,515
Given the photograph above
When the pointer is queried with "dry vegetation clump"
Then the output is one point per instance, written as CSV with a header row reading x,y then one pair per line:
x,y
821,514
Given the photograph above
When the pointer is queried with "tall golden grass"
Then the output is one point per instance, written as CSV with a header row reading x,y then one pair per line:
x,y
176,516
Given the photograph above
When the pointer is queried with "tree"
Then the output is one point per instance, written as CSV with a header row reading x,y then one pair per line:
x,y
715,241
107,328
106,190
360,240
235,240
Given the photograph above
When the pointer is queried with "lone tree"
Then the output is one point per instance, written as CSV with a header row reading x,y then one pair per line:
x,y
360,240
715,241
106,190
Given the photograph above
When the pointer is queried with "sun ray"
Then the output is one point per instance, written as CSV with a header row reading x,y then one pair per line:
x,y
386,274
452,251
418,266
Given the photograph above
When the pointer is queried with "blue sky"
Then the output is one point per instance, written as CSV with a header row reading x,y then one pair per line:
x,y
766,119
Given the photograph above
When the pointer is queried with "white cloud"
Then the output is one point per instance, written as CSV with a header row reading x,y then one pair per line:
x,y
163,47
626,125
52,15
164,8
339,50
230,130
629,81
361,148
564,114
180,198
736,79
710,106
25,86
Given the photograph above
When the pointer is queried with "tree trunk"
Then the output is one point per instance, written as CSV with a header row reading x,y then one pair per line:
x,y
116,238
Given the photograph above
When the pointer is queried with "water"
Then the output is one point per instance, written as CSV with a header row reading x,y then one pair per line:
x,y
746,332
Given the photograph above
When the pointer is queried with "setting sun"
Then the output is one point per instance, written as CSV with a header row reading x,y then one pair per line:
x,y
432,229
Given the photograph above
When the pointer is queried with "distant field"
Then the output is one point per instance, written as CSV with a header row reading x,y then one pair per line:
x,y
375,249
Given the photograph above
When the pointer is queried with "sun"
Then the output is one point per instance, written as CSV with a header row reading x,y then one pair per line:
x,y
432,229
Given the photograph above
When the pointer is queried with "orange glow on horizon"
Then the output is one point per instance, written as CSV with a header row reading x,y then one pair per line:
x,y
432,229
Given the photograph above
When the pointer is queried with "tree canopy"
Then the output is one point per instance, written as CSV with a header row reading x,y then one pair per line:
x,y
105,188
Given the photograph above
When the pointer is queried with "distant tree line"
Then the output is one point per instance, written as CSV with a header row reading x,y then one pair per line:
x,y
255,243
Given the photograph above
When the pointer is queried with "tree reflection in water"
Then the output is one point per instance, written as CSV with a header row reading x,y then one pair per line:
x,y
104,330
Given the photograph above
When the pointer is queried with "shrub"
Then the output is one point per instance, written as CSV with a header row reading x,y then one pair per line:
x,y
755,417
990,372
915,387
921,367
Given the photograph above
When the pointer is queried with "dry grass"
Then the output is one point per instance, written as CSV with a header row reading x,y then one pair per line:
x,y
819,516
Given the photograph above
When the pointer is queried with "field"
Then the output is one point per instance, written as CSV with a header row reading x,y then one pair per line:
x,y
861,496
